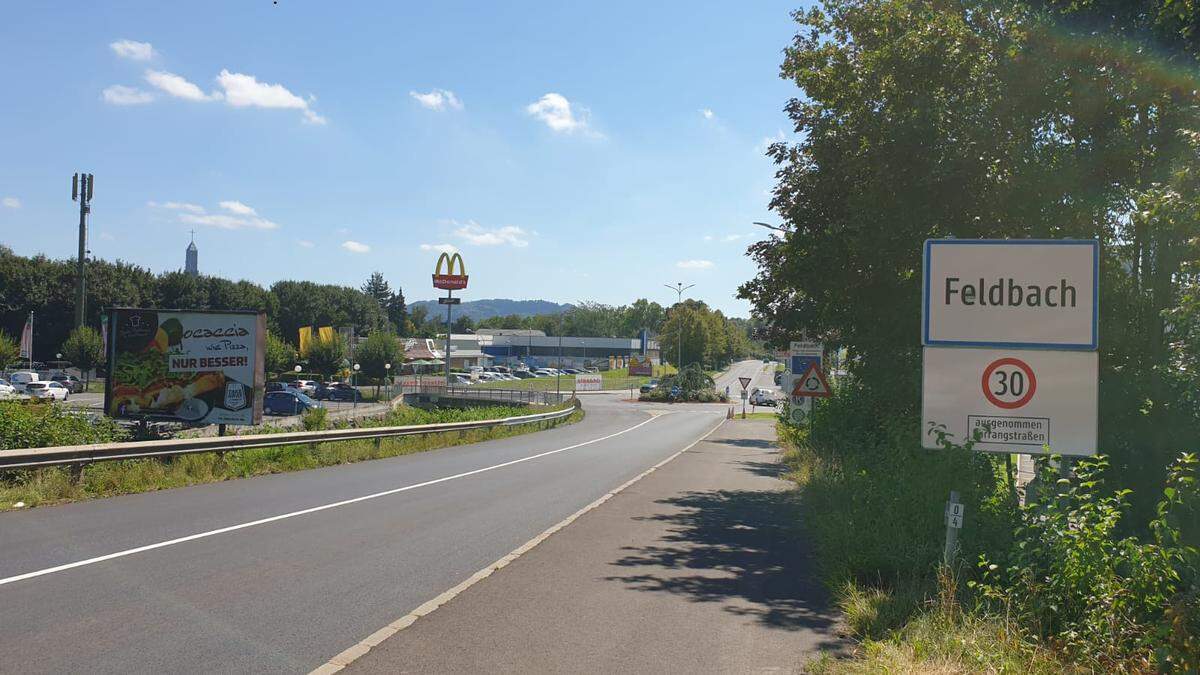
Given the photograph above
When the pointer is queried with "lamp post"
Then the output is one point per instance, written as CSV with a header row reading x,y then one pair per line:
x,y
679,288
387,367
354,384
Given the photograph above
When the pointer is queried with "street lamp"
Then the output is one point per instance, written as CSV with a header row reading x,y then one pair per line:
x,y
679,288
387,367
355,384
777,228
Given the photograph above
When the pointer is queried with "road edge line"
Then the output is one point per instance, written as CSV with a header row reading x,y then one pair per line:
x,y
359,649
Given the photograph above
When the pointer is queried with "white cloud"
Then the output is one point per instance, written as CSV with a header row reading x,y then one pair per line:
x,y
119,94
474,233
193,214
177,86
242,91
694,264
238,208
733,237
708,113
355,247
441,248
708,237
306,243
11,202
555,110
225,222
437,99
767,141
133,50
177,206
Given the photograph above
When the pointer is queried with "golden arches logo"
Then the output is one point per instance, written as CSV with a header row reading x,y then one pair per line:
x,y
444,275
449,261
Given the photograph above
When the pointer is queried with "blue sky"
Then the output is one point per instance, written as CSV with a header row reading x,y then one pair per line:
x,y
571,152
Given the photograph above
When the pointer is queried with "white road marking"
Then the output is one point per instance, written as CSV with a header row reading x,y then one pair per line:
x,y
302,512
352,654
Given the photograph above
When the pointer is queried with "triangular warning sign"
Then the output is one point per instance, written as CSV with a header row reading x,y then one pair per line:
x,y
812,383
745,381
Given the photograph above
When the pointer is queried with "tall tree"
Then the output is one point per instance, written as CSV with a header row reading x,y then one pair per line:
x,y
10,351
85,350
280,356
327,356
379,349
978,119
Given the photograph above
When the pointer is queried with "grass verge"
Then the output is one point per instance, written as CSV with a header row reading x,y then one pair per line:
x,y
56,485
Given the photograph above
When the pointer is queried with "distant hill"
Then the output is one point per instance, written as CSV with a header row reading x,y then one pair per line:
x,y
483,309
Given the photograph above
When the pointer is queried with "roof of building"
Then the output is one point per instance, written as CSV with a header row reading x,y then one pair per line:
x,y
510,331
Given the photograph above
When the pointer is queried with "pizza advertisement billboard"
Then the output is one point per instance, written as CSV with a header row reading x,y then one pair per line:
x,y
195,367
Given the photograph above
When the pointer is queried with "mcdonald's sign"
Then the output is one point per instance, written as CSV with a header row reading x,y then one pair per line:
x,y
444,276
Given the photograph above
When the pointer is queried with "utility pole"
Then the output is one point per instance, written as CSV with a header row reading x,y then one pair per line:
x,y
679,288
81,191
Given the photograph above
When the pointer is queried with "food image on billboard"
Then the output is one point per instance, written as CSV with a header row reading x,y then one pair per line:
x,y
180,366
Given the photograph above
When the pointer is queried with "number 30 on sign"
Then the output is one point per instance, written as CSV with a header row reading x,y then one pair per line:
x,y
1027,401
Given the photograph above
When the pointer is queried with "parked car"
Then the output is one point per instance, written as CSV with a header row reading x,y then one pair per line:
x,y
72,383
47,389
6,389
324,389
289,402
280,386
523,374
572,371
591,369
306,387
649,386
762,397
21,378
343,392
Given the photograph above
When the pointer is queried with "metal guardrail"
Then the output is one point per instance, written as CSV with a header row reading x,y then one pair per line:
x,y
477,393
101,452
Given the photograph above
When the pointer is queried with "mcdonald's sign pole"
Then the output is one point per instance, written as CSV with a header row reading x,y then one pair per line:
x,y
446,278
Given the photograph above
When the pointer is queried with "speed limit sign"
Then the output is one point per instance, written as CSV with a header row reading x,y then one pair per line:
x,y
1026,401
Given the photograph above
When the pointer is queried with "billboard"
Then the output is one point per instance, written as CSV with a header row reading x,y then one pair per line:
x,y
185,366
640,366
588,382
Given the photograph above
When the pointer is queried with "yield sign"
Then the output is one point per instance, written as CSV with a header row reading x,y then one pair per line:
x,y
812,383
745,381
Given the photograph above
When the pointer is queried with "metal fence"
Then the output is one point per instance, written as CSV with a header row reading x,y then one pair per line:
x,y
431,389
81,454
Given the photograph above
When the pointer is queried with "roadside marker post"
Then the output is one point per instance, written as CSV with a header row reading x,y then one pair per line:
x,y
954,523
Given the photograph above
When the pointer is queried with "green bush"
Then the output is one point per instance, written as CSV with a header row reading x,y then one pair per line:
x,y
315,419
40,425
1106,600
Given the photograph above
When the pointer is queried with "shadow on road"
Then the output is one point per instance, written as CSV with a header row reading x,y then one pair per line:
x,y
745,550
765,469
745,442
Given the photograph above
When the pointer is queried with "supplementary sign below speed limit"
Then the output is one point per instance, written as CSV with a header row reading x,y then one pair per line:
x,y
1016,400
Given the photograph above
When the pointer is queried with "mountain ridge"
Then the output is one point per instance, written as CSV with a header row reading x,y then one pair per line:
x,y
489,307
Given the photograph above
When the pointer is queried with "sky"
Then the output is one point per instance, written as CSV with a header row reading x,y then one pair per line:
x,y
571,152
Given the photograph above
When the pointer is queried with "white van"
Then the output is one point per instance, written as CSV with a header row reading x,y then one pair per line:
x,y
21,378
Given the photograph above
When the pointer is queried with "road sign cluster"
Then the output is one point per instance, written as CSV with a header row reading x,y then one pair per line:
x,y
805,378
1009,329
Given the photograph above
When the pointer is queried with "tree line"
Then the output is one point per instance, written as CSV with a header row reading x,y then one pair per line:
x,y
47,288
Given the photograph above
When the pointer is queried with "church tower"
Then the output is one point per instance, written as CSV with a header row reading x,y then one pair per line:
x,y
192,258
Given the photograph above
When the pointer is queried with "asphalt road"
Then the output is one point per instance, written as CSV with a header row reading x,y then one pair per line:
x,y
280,573
699,567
